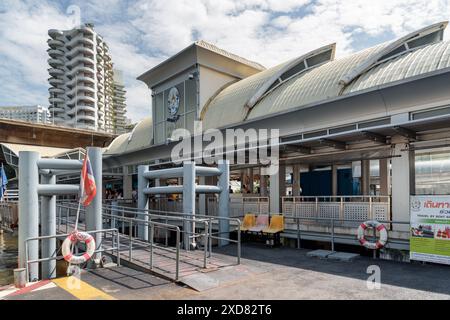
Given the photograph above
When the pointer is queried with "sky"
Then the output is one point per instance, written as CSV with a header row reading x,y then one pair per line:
x,y
143,33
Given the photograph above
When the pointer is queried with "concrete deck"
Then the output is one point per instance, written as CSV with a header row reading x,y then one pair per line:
x,y
269,273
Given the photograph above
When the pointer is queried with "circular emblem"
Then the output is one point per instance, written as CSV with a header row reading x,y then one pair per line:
x,y
173,101
415,204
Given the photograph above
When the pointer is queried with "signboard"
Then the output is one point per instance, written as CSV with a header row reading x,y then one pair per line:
x,y
430,229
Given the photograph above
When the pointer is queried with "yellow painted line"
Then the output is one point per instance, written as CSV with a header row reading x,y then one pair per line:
x,y
81,290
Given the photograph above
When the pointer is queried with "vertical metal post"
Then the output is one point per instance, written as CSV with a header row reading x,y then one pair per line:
x,y
94,210
118,248
210,237
28,209
188,202
142,202
224,201
332,234
177,261
205,243
239,246
298,233
48,228
59,218
152,231
130,239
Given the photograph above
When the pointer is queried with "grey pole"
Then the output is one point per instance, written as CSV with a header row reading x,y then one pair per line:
x,y
188,201
142,202
48,228
94,210
28,210
224,201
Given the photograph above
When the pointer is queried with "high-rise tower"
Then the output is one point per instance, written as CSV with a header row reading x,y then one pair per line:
x,y
81,79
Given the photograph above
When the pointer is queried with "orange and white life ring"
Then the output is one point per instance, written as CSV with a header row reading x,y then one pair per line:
x,y
381,229
74,238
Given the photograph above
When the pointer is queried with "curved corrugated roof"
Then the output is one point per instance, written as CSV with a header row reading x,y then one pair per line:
x,y
141,137
325,81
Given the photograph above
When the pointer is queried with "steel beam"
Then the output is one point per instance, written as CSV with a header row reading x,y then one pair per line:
x,y
28,211
94,210
407,133
164,173
60,164
48,228
142,202
224,201
57,189
376,137
333,143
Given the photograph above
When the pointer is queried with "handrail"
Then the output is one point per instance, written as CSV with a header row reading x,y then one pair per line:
x,y
28,262
177,216
147,223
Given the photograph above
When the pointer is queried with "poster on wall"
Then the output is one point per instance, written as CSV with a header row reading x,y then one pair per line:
x,y
430,229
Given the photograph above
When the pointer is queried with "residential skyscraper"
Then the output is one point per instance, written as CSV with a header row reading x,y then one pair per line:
x,y
81,79
119,104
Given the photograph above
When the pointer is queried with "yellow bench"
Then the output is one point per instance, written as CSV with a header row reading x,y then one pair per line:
x,y
248,222
276,224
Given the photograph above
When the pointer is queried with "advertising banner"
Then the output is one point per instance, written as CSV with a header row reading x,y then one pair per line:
x,y
430,229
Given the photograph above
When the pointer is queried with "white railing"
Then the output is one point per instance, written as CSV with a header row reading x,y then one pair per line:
x,y
359,208
239,206
11,195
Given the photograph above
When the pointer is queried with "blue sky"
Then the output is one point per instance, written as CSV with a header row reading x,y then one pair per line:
x,y
141,34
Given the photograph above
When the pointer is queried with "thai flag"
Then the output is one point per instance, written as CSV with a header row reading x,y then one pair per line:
x,y
87,182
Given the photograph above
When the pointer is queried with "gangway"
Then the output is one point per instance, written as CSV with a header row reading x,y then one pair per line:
x,y
157,255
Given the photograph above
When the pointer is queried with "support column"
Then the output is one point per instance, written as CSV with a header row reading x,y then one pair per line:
x,y
384,177
250,180
94,219
142,202
127,181
262,183
403,184
224,201
188,202
334,180
28,210
277,188
365,177
296,180
242,181
202,197
48,228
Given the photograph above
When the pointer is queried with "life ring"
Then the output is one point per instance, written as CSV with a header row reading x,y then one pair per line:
x,y
380,243
74,238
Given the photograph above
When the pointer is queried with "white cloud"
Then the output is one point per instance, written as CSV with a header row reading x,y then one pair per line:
x,y
142,33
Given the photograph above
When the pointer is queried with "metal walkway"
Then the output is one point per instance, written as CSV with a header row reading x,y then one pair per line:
x,y
170,262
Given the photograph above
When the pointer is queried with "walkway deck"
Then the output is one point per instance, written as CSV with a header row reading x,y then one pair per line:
x,y
191,263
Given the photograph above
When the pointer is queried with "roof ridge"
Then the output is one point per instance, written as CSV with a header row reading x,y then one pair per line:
x,y
212,47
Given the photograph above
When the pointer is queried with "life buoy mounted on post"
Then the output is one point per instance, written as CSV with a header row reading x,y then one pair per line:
x,y
73,238
380,243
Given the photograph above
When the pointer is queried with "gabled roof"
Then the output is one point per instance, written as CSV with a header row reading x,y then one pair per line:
x,y
202,53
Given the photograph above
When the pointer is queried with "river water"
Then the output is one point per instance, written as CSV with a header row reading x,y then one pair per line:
x,y
8,257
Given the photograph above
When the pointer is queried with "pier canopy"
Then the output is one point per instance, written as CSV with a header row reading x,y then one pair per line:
x,y
141,137
317,77
9,153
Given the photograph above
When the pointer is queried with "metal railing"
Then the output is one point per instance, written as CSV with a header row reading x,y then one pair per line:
x,y
239,205
321,209
8,215
333,223
207,221
11,195
127,219
100,247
